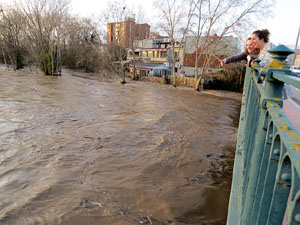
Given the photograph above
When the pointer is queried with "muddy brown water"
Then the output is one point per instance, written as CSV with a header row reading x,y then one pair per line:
x,y
76,151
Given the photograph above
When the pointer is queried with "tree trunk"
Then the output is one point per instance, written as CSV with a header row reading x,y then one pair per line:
x,y
134,72
196,72
173,64
4,57
122,74
19,63
199,84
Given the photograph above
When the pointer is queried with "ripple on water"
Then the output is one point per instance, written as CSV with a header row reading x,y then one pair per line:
x,y
143,151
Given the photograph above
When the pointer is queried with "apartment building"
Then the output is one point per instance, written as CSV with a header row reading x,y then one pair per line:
x,y
125,32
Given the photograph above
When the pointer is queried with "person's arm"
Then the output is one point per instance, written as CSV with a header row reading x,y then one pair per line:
x,y
236,58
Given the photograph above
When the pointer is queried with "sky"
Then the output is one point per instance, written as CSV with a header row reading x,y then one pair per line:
x,y
284,24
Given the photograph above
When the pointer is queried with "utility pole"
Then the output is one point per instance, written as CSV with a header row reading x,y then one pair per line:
x,y
121,48
296,46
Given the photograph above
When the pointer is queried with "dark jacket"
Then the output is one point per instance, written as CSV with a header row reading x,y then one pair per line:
x,y
236,58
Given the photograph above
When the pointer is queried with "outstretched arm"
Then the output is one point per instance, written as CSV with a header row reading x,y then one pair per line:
x,y
236,58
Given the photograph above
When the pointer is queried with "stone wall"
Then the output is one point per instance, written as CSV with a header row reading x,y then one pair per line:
x,y
153,79
184,81
180,81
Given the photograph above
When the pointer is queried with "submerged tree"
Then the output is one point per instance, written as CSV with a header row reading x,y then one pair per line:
x,y
43,22
115,13
175,20
204,18
82,46
12,36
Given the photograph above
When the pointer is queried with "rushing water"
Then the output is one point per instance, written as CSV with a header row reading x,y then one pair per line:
x,y
77,151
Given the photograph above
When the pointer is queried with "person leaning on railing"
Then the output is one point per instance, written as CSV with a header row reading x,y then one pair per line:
x,y
249,55
260,40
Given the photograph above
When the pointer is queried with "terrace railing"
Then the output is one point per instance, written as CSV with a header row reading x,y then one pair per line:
x,y
266,177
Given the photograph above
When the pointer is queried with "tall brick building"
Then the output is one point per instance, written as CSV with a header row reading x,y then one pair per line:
x,y
124,33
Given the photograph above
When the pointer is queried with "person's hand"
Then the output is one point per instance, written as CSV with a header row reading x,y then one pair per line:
x,y
222,63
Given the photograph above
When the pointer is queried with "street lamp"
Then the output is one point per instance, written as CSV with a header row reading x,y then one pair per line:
x,y
296,46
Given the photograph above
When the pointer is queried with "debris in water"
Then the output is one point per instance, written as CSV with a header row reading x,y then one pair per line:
x,y
208,155
86,204
149,220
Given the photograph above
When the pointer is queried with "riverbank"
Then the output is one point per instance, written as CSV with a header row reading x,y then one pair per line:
x,y
228,79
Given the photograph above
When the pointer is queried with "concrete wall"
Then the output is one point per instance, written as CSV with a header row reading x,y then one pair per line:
x,y
180,81
153,79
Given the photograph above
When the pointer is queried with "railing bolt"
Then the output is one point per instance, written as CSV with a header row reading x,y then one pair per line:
x,y
286,176
297,218
276,151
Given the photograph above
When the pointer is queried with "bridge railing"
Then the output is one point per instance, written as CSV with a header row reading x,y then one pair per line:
x,y
266,177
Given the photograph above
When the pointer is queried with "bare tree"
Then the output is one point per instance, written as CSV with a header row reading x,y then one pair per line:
x,y
175,20
223,17
139,17
115,12
81,46
43,22
11,34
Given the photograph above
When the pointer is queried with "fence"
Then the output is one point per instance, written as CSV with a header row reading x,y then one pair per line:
x,y
266,177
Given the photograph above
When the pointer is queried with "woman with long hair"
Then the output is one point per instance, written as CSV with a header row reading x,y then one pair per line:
x,y
249,54
260,40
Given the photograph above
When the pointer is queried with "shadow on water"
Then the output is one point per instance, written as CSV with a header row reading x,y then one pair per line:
x,y
213,209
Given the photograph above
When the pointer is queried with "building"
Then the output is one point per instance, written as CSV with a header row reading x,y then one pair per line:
x,y
124,33
297,59
225,47
151,50
142,31
294,59
158,51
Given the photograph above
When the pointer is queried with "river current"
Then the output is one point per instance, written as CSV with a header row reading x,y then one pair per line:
x,y
77,151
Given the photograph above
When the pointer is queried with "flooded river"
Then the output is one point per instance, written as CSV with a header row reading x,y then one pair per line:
x,y
77,151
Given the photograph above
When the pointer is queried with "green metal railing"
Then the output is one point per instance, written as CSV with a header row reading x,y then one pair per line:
x,y
266,176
